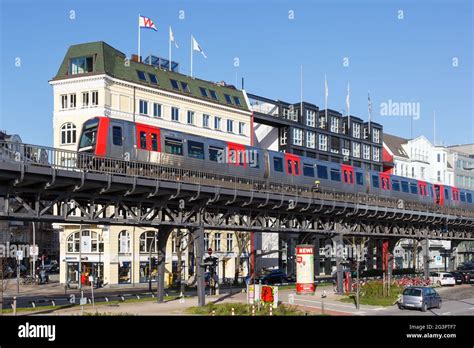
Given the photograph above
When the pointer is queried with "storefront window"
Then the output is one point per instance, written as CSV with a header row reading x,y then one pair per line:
x,y
72,272
145,271
124,272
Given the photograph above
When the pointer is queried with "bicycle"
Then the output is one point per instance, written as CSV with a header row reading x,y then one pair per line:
x,y
28,280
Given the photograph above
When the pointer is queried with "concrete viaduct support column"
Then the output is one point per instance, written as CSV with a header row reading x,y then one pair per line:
x,y
163,235
198,237
379,254
426,258
452,256
327,258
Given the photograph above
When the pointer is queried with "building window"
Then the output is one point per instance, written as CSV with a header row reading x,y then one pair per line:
x,y
310,118
143,107
90,242
439,157
376,154
334,124
213,94
297,136
230,241
190,117
141,75
185,87
366,151
356,150
376,135
174,114
335,144
148,241
68,134
63,101
206,241
322,121
153,78
228,99
366,133
203,92
124,242
72,101
230,126
205,120
283,135
81,65
356,130
237,101
217,241
174,84
85,99
422,172
241,128
217,123
95,98
323,142
439,175
310,139
156,110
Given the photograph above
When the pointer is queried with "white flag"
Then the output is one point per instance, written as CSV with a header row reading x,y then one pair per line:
x,y
172,38
326,90
369,105
198,48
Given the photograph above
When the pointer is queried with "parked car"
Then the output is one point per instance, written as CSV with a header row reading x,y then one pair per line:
x,y
458,277
420,297
274,277
468,276
442,278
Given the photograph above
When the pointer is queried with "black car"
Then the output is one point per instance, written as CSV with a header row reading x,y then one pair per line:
x,y
275,276
458,277
468,276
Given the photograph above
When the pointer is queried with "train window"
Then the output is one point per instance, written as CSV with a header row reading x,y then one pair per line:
x,y
335,174
405,187
253,159
241,158
174,146
289,166
463,196
375,181
395,185
195,149
278,164
117,135
154,142
297,167
431,191
322,171
215,154
413,188
143,140
359,178
469,198
446,194
308,170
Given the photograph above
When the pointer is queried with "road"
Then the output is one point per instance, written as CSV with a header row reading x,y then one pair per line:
x,y
458,300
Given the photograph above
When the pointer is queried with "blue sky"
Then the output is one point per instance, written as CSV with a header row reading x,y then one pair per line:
x,y
403,60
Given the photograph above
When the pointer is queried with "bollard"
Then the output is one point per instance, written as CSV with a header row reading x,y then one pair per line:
x,y
271,310
33,304
233,312
253,310
53,303
14,305
138,297
106,299
122,298
213,313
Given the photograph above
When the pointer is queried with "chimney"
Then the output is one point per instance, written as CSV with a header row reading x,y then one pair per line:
x,y
135,58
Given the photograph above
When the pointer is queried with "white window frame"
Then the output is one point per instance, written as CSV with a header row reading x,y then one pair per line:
x,y
205,120
334,124
310,118
297,137
311,139
356,149
69,131
159,107
190,117
217,123
366,151
323,142
230,126
174,114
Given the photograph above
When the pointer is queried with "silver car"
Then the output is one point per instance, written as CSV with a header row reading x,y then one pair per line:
x,y
420,297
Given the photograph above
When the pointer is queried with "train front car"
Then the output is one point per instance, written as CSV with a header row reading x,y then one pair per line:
x,y
93,141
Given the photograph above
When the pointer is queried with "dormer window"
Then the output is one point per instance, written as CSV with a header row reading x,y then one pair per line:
x,y
81,65
213,94
185,87
203,92
174,84
153,78
237,101
228,99
141,75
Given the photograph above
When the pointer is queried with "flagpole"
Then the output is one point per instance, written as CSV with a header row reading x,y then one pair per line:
x,y
301,88
370,112
138,38
325,101
348,108
191,56
170,65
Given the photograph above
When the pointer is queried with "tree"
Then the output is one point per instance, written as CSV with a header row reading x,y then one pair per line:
x,y
242,241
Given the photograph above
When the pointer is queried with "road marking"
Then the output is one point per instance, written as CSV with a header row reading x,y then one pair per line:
x,y
326,303
378,309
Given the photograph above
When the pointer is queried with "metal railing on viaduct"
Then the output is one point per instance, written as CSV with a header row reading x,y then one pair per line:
x,y
39,183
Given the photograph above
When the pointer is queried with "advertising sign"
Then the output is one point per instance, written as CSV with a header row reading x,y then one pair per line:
x,y
305,269
269,294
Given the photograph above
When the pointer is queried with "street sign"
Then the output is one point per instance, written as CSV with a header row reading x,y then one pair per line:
x,y
19,254
83,301
34,250
91,278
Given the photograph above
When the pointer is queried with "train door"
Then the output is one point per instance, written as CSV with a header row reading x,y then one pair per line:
x,y
237,154
116,139
385,181
347,174
455,196
292,164
438,194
